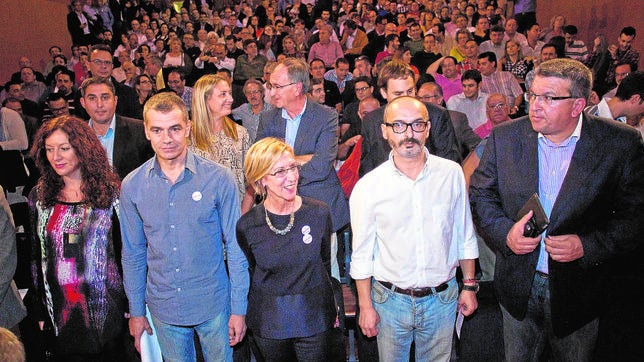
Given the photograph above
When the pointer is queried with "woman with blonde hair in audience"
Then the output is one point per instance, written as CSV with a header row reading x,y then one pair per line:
x,y
557,24
514,62
288,47
175,57
215,136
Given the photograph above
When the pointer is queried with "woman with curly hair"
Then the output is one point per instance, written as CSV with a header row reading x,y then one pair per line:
x,y
215,136
78,288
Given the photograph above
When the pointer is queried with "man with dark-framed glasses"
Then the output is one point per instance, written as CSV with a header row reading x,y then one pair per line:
x,y
412,228
588,173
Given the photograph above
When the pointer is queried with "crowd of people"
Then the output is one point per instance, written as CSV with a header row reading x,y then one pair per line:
x,y
191,164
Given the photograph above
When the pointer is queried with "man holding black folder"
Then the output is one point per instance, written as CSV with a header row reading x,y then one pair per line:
x,y
589,175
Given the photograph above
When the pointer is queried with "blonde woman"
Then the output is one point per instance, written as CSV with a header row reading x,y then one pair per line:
x,y
215,135
291,309
514,62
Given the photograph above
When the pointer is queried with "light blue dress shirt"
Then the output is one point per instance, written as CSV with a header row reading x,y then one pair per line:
x,y
292,124
174,239
107,141
554,161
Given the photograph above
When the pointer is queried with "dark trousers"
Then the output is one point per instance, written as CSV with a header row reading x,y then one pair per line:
x,y
314,348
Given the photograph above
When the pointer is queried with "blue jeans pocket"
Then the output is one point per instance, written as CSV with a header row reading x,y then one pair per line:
x,y
378,293
450,294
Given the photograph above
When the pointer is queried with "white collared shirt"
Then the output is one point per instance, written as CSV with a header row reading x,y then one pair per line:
x,y
411,233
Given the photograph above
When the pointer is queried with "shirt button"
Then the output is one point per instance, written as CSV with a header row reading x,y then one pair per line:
x,y
177,270
171,226
174,249
178,289
172,204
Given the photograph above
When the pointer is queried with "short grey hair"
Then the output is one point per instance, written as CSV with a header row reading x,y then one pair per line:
x,y
580,77
298,72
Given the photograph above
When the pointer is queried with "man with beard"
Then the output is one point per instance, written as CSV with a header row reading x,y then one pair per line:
x,y
412,228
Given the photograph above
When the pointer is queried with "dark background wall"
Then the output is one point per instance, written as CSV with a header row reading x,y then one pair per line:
x,y
29,27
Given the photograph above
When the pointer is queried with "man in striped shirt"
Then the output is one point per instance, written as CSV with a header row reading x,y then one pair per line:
x,y
575,49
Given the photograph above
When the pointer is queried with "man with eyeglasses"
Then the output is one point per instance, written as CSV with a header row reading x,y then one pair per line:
x,y
248,113
588,174
101,66
395,80
311,129
622,70
332,97
64,86
412,228
497,111
177,82
350,123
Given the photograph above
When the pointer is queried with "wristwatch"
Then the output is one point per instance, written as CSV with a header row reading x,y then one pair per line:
x,y
472,288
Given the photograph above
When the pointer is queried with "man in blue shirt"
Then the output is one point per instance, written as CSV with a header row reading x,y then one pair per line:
x,y
176,211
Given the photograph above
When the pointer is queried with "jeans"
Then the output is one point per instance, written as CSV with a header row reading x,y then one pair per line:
x,y
428,321
177,342
526,340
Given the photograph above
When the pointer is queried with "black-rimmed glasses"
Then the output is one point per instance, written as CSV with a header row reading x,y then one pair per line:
x,y
531,97
401,127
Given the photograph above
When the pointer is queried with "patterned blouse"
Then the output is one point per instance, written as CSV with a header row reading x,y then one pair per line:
x,y
230,154
75,267
519,68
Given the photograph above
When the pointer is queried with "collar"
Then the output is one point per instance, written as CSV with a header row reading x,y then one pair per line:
x,y
422,173
112,124
297,116
190,164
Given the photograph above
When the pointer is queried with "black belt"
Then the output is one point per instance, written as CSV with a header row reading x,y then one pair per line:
x,y
418,292
542,275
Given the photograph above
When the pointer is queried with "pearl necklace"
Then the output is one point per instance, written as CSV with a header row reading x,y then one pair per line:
x,y
276,230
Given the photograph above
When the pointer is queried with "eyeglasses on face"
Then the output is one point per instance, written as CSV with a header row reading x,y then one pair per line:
x,y
278,87
282,172
362,89
497,106
99,62
401,127
532,97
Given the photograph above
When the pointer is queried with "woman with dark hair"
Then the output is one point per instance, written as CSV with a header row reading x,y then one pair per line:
x,y
78,286
141,53
286,239
145,88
